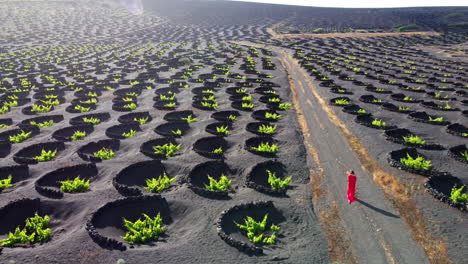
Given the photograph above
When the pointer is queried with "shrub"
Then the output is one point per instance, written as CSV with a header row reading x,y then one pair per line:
x,y
173,104
456,195
401,108
209,98
361,111
210,105
439,95
223,129
256,230
18,138
82,109
129,134
378,123
276,183
91,120
267,129
247,105
437,119
143,231
75,185
414,140
274,100
4,109
208,92
232,118
222,184
273,116
446,107
34,231
43,124
377,100
131,106
418,163
218,151
167,98
89,101
407,98
247,98
177,132
77,135
341,102
41,108
104,154
189,119
2,126
11,104
6,183
157,185
167,149
46,155
464,154
50,102
127,99
284,106
266,147
141,120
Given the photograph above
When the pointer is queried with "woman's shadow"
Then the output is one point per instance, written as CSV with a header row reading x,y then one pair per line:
x,y
378,210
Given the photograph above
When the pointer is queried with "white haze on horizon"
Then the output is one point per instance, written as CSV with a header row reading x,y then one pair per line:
x,y
364,4
133,6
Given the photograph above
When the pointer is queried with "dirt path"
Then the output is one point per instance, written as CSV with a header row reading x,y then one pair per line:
x,y
375,231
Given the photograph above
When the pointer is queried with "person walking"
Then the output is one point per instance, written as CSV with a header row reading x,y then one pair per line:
x,y
351,186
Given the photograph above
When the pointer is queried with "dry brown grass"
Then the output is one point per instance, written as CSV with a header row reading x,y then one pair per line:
x,y
339,245
316,184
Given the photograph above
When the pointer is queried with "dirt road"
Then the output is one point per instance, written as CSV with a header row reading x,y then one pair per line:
x,y
377,233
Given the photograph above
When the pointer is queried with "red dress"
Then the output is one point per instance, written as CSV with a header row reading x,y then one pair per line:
x,y
351,188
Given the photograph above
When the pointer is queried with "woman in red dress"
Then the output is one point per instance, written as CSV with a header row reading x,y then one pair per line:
x,y
351,186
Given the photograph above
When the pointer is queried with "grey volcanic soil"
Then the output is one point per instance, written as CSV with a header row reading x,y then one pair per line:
x,y
83,34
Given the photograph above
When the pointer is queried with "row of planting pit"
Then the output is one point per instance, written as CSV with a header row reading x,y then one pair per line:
x,y
177,122
106,226
132,180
